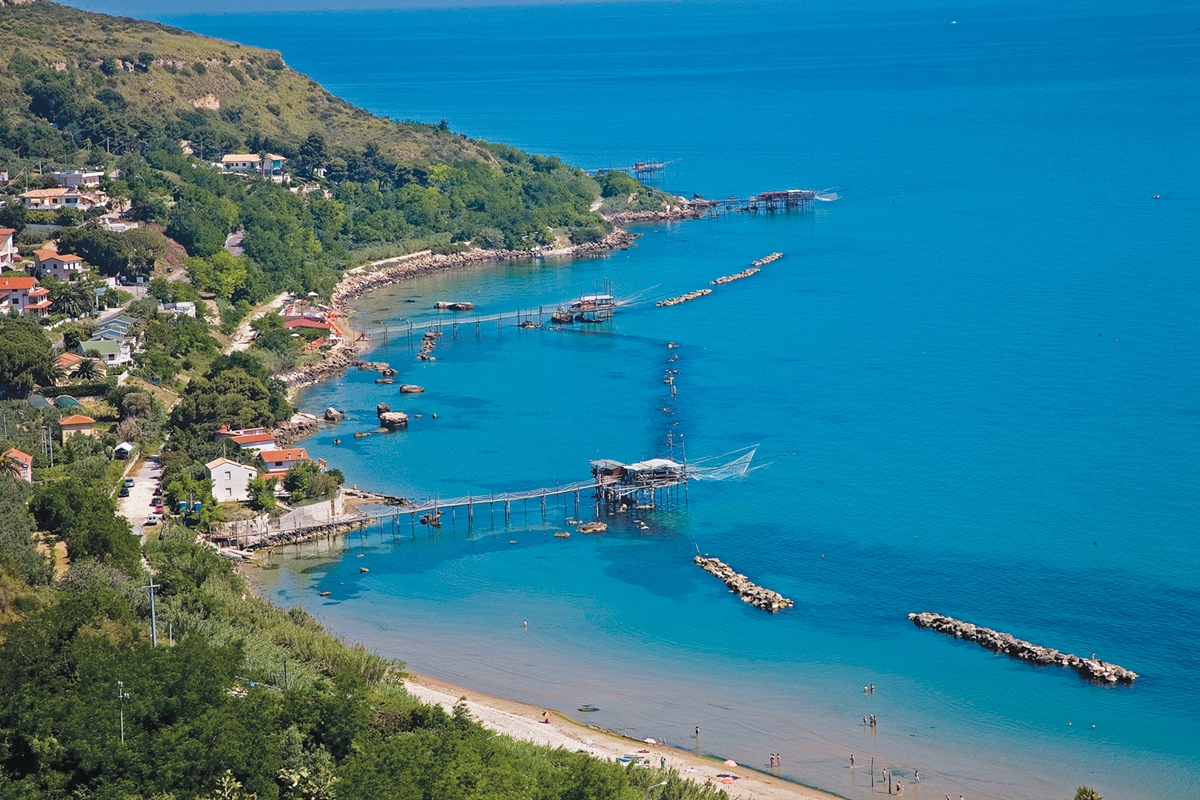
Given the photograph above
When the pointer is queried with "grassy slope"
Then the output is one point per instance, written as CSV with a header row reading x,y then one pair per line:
x,y
280,103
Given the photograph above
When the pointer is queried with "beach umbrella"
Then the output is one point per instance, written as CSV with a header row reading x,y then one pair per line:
x,y
729,762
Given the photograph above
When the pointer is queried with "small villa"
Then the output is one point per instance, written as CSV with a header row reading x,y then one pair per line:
x,y
23,463
278,462
22,295
60,198
76,425
66,267
241,162
230,480
77,178
255,441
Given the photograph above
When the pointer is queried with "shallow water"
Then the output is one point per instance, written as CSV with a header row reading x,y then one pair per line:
x,y
974,379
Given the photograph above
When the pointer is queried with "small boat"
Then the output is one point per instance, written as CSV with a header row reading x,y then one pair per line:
x,y
363,569
562,317
325,594
337,441
588,708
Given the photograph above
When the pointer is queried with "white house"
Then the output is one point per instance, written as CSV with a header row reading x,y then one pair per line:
x,y
22,295
273,167
75,178
241,162
185,308
8,248
230,480
112,353
66,267
255,441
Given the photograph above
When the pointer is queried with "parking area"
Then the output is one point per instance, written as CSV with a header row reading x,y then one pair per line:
x,y
136,507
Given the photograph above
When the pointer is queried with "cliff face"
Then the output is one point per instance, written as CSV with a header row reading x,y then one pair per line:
x,y
129,77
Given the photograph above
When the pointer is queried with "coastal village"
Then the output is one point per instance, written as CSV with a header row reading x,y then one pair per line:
x,y
186,227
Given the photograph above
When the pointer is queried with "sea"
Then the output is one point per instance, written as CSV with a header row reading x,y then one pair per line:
x,y
972,383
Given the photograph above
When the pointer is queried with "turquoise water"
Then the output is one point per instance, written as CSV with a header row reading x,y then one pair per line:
x,y
974,378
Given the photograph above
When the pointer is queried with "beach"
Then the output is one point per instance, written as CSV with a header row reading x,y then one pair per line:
x,y
524,722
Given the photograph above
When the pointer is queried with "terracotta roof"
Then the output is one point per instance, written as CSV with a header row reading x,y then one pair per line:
x,y
254,438
306,323
41,291
68,359
7,231
239,157
43,255
291,454
39,306
16,454
17,283
77,419
58,192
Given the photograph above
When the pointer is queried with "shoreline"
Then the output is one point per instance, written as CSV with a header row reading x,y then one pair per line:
x,y
390,271
523,721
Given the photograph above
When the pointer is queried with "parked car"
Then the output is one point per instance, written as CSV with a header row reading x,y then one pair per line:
x,y
156,500
152,520
124,492
128,483
158,509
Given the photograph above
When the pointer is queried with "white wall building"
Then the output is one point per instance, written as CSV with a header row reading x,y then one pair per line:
x,y
230,480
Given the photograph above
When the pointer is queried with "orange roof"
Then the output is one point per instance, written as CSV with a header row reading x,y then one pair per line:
x,y
16,454
41,291
7,231
17,283
43,255
291,454
58,192
77,419
306,323
68,359
39,306
254,438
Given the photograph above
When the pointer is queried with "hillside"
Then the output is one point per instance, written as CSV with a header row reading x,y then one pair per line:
x,y
159,76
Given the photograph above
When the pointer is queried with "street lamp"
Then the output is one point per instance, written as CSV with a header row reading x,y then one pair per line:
x,y
122,696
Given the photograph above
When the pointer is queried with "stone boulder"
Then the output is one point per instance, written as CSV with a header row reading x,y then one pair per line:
x,y
393,420
411,388
381,409
333,415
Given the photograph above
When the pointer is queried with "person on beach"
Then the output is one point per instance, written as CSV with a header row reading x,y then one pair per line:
x,y
697,731
916,776
864,722
525,623
852,761
872,688
663,762
864,690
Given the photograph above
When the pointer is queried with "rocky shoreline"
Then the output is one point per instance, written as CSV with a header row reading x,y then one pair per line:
x,y
352,286
688,211
1091,668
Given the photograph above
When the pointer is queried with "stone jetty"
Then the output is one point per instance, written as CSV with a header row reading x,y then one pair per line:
x,y
746,273
767,259
1091,668
683,298
428,342
742,586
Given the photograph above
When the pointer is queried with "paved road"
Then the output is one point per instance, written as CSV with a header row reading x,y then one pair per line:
x,y
136,507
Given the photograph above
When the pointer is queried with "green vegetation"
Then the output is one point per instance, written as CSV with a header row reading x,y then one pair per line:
x,y
82,89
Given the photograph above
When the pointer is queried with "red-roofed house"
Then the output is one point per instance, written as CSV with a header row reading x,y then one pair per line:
x,y
255,441
8,248
22,295
66,267
305,322
22,461
226,432
77,425
278,462
54,199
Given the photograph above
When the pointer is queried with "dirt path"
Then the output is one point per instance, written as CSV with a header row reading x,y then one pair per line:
x,y
136,507
244,335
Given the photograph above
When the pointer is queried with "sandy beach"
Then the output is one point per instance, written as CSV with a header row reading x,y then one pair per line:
x,y
524,722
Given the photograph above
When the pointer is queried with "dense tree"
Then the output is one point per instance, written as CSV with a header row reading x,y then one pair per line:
x,y
86,518
25,355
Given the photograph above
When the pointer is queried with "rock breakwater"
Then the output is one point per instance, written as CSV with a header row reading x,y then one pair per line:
x,y
742,586
767,259
1091,668
746,273
683,298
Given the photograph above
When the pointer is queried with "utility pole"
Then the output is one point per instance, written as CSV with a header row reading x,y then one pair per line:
x,y
153,615
122,696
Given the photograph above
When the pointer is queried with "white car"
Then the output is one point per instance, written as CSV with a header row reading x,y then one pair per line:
x,y
152,520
